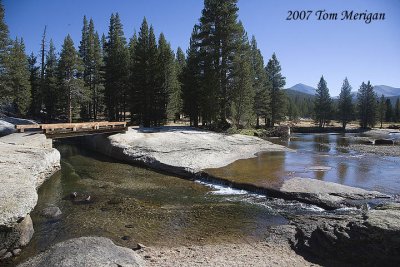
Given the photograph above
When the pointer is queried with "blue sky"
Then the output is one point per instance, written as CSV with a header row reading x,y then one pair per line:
x,y
306,49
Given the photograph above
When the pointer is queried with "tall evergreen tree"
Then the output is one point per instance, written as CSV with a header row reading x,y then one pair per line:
x,y
243,91
191,81
381,110
34,80
397,110
260,83
148,97
180,64
277,96
5,89
70,77
91,54
133,42
52,94
366,99
18,68
345,105
389,111
219,40
322,103
170,88
116,70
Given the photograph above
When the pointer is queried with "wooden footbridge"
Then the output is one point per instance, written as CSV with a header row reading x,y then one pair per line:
x,y
64,130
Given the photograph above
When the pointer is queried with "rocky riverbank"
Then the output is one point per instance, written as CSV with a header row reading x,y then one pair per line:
x,y
365,238
26,161
188,152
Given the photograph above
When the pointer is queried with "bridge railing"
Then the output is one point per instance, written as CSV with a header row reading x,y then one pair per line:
x,y
72,126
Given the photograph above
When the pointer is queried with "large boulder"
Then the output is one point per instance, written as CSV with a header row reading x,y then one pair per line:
x,y
180,150
26,161
86,251
371,238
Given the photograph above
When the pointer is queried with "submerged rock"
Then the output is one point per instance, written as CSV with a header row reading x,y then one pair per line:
x,y
52,212
86,251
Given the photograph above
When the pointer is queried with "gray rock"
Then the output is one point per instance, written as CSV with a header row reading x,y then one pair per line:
x,y
23,167
25,230
327,195
26,161
2,252
180,150
383,142
51,212
371,239
17,236
6,256
16,251
86,251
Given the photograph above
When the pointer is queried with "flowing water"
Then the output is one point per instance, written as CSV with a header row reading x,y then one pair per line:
x,y
325,157
133,205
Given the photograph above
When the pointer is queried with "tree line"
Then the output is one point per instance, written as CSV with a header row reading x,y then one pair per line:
x,y
367,107
221,80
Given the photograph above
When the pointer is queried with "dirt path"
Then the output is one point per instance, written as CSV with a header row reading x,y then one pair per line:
x,y
244,254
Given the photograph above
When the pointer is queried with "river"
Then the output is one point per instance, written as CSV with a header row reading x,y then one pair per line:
x,y
132,205
325,157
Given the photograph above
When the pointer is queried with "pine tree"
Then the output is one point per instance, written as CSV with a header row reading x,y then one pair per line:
x,y
345,105
277,96
322,103
170,88
180,65
397,111
243,91
191,81
260,83
134,97
148,95
40,94
70,77
366,99
140,91
389,111
116,71
52,95
219,38
5,89
91,54
34,80
19,75
381,110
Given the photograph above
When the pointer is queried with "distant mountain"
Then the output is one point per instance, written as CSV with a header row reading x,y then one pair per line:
x,y
294,93
303,89
387,91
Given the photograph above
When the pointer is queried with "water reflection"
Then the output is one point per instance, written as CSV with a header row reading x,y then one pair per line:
x,y
325,157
